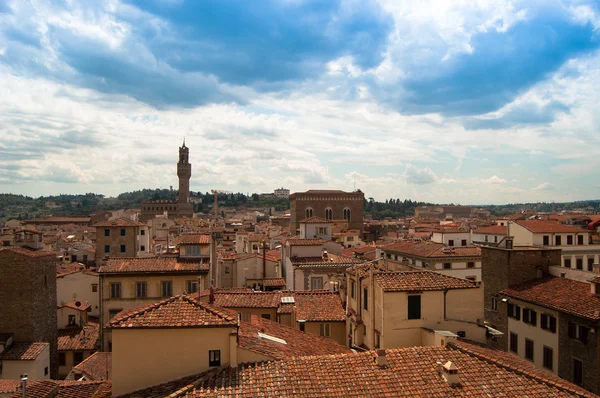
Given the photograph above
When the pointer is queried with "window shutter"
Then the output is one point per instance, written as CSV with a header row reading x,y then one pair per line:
x,y
510,309
518,312
583,332
544,321
553,324
533,317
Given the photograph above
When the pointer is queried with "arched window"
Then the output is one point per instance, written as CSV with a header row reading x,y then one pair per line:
x,y
328,214
309,212
347,214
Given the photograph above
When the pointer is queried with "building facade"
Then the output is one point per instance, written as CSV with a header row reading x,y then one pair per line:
x,y
329,204
121,238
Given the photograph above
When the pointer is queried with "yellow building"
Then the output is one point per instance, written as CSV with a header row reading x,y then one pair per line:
x,y
127,283
400,309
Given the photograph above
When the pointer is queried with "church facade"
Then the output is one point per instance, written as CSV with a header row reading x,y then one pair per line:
x,y
182,207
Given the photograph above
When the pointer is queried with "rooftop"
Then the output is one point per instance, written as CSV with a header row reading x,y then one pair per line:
x,y
193,239
178,311
431,249
97,366
305,242
295,342
329,260
150,264
119,222
23,351
318,306
494,230
541,227
561,294
409,281
26,252
76,338
409,372
315,220
76,305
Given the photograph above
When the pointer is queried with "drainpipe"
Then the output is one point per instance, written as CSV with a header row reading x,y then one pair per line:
x,y
102,323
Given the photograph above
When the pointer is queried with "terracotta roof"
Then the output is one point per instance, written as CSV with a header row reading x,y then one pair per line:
x,y
297,343
193,239
23,351
254,237
97,366
315,220
318,306
8,386
172,389
274,282
26,252
150,264
246,299
178,311
76,338
46,220
62,389
275,254
494,230
73,305
119,222
560,294
410,372
540,227
431,249
305,242
410,281
332,259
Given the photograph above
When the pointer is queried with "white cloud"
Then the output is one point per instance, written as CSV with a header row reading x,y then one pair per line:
x,y
545,186
417,176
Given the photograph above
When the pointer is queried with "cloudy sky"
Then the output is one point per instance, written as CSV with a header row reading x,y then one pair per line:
x,y
469,102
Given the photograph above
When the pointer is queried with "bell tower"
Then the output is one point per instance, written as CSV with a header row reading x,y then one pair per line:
x,y
184,172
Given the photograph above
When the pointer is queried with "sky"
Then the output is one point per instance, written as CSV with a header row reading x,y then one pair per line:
x,y
470,102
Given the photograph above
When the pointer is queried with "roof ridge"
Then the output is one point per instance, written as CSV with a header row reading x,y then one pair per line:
x,y
519,371
143,310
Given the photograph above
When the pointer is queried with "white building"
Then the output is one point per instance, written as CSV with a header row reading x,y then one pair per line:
x,y
282,193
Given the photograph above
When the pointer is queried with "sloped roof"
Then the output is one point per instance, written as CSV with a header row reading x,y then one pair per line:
x,y
23,351
318,306
541,227
26,252
150,264
119,222
332,259
409,372
408,281
315,220
97,366
76,338
193,239
178,311
246,299
560,294
492,230
305,242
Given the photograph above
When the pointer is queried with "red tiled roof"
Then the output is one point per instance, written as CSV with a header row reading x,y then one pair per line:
x,y
62,389
409,281
410,372
150,264
76,338
246,299
540,227
9,385
172,389
193,239
315,220
297,343
494,230
305,242
119,222
560,294
39,389
318,306
274,282
431,249
178,311
73,305
97,366
332,259
23,351
26,252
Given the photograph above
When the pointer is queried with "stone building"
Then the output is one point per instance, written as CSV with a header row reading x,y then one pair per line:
x,y
121,238
28,298
334,205
182,207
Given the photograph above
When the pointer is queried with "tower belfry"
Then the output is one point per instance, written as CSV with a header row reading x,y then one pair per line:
x,y
184,172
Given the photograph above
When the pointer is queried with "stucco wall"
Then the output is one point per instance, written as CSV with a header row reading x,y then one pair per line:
x,y
34,369
139,355
338,330
78,286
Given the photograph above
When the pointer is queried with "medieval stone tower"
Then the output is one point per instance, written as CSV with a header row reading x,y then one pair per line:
x,y
184,172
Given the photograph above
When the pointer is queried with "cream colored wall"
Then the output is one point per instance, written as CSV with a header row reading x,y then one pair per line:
x,y
461,305
481,237
204,250
252,268
34,369
78,286
522,236
258,311
139,355
338,330
247,356
62,316
285,319
539,336
459,269
445,237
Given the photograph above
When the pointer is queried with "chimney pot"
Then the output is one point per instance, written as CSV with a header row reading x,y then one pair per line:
x,y
450,373
211,297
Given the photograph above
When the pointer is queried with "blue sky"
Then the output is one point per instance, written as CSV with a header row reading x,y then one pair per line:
x,y
443,101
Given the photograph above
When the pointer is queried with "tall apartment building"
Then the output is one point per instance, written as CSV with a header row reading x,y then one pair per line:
x,y
332,205
122,238
28,298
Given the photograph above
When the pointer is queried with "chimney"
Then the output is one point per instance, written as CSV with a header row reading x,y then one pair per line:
x,y
381,359
324,254
211,297
596,268
233,336
450,373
